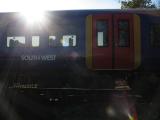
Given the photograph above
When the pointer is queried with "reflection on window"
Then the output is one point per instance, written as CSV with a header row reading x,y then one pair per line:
x,y
69,40
102,33
53,41
35,41
123,32
16,41
155,35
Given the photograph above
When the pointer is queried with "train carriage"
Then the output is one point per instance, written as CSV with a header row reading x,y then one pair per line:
x,y
81,54
79,46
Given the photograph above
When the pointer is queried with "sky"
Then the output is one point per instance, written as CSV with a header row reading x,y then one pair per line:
x,y
36,5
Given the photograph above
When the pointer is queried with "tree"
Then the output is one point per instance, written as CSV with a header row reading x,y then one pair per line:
x,y
137,4
158,2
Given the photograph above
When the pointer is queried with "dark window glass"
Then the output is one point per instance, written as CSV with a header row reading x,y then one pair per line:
x,y
123,33
102,33
53,42
155,35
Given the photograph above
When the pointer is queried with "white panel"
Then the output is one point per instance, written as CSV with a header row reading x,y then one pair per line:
x,y
74,40
100,38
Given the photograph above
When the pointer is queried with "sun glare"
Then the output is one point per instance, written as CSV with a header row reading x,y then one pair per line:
x,y
34,17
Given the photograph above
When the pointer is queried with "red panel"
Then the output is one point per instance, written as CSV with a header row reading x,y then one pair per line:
x,y
124,56
102,56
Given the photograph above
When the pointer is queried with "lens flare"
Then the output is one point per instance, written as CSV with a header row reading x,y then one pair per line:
x,y
130,117
110,111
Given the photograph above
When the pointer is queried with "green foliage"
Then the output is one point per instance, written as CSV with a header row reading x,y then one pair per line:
x,y
137,4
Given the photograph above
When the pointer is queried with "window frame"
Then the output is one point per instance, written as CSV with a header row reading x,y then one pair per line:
x,y
49,44
25,38
69,46
153,43
31,41
128,31
107,33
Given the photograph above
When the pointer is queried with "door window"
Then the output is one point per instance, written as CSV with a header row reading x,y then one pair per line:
x,y
102,33
123,33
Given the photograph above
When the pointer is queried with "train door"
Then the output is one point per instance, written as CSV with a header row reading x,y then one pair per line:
x,y
113,42
102,41
124,42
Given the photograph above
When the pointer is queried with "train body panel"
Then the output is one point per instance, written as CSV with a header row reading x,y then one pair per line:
x,y
150,57
73,45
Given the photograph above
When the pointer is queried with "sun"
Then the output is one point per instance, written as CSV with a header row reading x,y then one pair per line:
x,y
33,17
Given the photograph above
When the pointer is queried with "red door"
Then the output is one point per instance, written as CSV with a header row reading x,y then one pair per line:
x,y
102,41
113,45
124,41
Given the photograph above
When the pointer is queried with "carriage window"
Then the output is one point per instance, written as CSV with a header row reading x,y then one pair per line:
x,y
155,32
16,41
53,41
69,40
102,33
123,33
35,41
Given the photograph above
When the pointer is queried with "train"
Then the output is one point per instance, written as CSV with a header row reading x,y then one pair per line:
x,y
80,48
82,53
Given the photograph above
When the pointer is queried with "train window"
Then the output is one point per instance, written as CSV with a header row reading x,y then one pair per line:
x,y
69,40
52,41
123,33
35,41
155,32
102,33
16,41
